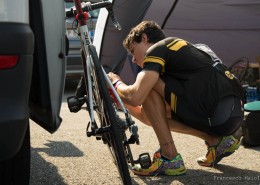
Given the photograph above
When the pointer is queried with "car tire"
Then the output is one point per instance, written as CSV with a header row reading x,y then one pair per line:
x,y
16,170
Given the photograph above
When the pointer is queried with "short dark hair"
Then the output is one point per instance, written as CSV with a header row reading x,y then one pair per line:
x,y
150,28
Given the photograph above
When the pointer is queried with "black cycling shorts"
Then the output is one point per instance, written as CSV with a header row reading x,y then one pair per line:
x,y
227,117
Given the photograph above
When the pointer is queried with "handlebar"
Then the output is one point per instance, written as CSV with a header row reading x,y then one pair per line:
x,y
86,7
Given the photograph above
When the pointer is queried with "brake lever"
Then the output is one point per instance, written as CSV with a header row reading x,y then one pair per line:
x,y
113,18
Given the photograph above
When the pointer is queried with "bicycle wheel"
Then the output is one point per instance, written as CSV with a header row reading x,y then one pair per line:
x,y
107,117
239,68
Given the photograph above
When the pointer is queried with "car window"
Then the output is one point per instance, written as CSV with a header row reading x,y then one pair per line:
x,y
69,4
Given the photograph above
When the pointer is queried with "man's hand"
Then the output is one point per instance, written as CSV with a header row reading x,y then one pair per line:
x,y
113,77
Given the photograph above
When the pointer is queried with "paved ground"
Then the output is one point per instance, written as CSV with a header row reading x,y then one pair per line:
x,y
68,157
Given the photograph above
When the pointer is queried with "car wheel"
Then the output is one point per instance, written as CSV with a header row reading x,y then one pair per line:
x,y
16,170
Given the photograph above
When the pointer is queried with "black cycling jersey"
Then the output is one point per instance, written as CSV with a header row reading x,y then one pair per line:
x,y
191,74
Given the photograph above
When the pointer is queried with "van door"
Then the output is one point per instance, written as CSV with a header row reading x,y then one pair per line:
x,y
47,20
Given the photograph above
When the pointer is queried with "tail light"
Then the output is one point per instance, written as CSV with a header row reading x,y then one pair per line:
x,y
8,61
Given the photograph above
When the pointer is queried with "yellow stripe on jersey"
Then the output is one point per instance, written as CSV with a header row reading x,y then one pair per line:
x,y
176,45
173,42
155,60
173,102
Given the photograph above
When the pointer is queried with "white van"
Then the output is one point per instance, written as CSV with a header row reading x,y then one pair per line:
x,y
32,74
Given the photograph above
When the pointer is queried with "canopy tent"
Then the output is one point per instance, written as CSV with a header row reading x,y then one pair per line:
x,y
230,27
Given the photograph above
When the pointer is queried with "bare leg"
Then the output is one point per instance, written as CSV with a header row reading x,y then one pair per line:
x,y
154,108
184,129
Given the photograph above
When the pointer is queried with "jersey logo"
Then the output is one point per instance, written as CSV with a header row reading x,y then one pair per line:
x,y
229,75
177,44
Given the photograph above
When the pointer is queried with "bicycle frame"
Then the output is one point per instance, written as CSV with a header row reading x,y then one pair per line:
x,y
83,29
85,38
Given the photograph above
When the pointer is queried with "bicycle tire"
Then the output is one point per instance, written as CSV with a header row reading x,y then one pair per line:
x,y
239,68
107,115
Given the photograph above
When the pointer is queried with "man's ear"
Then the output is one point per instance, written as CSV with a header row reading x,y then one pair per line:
x,y
144,37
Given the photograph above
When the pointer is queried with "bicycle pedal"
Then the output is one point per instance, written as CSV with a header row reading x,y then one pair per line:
x,y
144,160
75,103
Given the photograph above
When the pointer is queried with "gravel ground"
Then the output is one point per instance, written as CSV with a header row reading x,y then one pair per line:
x,y
69,157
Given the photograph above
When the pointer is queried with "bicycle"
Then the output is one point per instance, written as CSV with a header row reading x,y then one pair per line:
x,y
102,99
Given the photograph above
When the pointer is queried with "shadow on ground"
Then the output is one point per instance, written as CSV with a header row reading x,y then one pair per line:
x,y
40,169
60,149
46,173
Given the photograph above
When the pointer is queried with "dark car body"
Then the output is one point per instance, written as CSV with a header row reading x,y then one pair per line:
x,y
74,67
32,73
15,85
